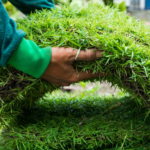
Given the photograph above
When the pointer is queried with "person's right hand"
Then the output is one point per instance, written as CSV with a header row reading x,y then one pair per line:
x,y
60,70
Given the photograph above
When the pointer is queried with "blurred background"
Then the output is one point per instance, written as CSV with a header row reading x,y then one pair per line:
x,y
136,8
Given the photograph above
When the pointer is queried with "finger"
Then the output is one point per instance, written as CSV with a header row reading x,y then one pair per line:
x,y
62,83
87,55
65,83
56,82
84,75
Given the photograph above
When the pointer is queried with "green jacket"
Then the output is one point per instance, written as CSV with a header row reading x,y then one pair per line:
x,y
15,50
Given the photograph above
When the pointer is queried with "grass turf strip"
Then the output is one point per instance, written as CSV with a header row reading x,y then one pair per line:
x,y
124,41
83,122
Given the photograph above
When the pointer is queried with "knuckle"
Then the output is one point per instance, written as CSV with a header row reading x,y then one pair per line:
x,y
74,80
73,77
65,84
89,55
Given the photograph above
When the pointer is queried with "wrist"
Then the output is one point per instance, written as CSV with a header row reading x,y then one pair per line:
x,y
31,59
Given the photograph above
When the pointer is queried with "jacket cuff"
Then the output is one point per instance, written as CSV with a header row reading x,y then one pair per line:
x,y
31,59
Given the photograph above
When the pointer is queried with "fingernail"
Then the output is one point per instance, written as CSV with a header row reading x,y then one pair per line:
x,y
99,54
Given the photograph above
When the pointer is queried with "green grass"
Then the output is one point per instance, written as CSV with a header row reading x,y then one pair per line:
x,y
85,122
81,122
124,41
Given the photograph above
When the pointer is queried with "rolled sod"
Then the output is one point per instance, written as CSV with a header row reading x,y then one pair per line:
x,y
123,39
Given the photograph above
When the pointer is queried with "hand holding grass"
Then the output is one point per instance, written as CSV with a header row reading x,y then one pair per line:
x,y
60,70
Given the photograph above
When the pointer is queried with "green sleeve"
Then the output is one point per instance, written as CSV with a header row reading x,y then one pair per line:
x,y
31,59
28,6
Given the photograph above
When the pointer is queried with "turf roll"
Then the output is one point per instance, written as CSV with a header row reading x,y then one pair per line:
x,y
123,40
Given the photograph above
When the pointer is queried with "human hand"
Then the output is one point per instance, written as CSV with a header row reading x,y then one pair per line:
x,y
60,70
